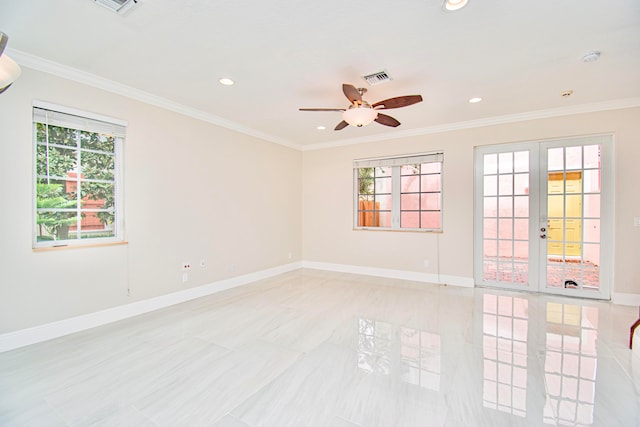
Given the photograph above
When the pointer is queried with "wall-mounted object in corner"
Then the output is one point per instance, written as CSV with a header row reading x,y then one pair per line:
x,y
9,70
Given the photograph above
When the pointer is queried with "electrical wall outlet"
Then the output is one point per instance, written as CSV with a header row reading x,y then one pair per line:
x,y
185,277
203,264
425,263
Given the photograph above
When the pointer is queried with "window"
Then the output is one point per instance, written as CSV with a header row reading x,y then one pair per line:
x,y
399,193
77,160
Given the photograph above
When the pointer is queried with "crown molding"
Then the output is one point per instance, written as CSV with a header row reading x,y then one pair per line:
x,y
489,121
70,73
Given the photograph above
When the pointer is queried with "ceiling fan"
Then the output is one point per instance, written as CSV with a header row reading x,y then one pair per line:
x,y
361,113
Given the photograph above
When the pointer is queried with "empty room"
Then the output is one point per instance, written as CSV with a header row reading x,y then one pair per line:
x,y
337,213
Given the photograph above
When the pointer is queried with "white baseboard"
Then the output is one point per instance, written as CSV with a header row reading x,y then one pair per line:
x,y
466,282
626,299
36,334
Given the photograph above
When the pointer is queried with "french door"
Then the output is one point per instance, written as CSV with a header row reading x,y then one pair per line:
x,y
543,216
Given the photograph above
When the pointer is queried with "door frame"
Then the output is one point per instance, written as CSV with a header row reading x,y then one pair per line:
x,y
537,251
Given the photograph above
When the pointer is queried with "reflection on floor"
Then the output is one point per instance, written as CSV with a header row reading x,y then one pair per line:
x,y
313,348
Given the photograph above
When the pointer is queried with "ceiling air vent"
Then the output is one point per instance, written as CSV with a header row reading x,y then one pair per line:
x,y
119,6
377,78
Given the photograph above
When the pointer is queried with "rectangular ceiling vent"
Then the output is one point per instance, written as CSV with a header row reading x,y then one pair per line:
x,y
119,6
377,78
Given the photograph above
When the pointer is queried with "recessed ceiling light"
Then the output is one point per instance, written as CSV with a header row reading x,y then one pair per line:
x,y
451,5
321,127
474,100
566,93
226,81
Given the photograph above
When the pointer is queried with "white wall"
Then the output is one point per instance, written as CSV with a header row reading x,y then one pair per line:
x,y
328,235
192,191
197,191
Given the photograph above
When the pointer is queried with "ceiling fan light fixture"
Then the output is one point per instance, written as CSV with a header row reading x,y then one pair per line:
x,y
453,5
359,116
226,81
9,69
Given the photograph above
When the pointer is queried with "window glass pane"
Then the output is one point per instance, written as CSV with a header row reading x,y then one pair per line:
x,y
521,275
591,254
430,182
592,230
505,248
410,219
385,219
54,225
97,141
490,164
434,167
591,181
490,229
490,206
521,229
57,135
592,205
521,161
489,270
383,202
505,228
592,156
366,198
97,166
410,202
96,225
555,206
555,160
505,185
410,170
490,185
383,171
55,161
521,183
97,191
573,206
410,184
383,185
521,249
505,162
55,194
430,220
574,157
430,201
490,248
505,205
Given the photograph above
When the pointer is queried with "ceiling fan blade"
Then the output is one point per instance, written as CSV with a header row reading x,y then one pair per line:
x,y
3,41
321,109
341,125
352,93
397,102
383,119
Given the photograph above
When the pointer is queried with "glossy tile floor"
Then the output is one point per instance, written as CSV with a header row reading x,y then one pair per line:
x,y
313,348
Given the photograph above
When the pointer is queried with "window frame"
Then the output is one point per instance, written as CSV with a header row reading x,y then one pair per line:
x,y
396,163
92,123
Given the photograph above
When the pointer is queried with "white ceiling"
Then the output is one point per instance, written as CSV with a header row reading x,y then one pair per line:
x,y
519,55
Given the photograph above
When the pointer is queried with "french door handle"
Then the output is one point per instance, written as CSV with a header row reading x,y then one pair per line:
x,y
543,236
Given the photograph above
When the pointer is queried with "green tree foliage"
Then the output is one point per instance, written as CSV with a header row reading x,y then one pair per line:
x,y
58,151
52,196
365,181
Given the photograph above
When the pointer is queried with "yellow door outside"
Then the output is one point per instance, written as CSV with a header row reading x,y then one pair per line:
x,y
572,200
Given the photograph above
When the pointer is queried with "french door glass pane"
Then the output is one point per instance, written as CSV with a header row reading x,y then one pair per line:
x,y
505,221
573,217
